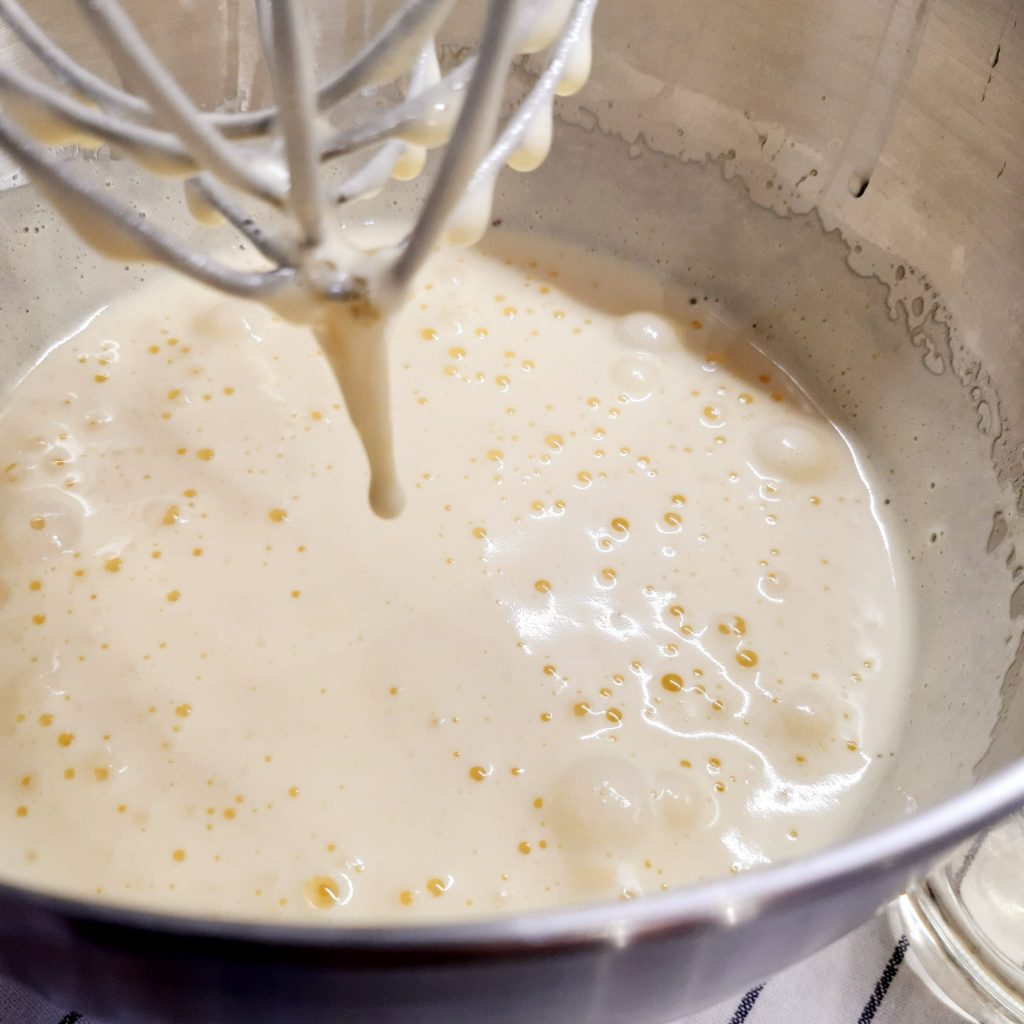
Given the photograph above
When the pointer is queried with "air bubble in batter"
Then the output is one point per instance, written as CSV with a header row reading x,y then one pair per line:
x,y
647,332
793,451
809,716
602,804
636,377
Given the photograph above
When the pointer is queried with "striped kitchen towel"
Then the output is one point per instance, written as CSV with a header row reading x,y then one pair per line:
x,y
862,979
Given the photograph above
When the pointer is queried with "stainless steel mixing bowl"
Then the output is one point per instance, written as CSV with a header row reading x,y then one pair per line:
x,y
850,177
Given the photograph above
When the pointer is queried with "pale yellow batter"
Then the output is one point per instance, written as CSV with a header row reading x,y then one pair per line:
x,y
637,625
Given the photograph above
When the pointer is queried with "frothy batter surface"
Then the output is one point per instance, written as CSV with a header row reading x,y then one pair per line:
x,y
637,626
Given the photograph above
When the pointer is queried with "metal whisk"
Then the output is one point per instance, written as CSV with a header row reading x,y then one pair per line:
x,y
239,166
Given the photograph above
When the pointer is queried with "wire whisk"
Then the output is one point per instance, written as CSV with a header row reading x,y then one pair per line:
x,y
242,167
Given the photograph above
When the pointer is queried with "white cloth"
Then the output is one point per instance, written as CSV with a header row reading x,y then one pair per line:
x,y
864,978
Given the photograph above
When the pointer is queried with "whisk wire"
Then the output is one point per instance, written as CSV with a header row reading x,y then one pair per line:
x,y
369,179
91,212
542,93
205,189
291,76
470,139
405,115
391,50
115,31
64,68
41,101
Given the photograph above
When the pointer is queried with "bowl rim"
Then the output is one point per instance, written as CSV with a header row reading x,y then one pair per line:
x,y
724,903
